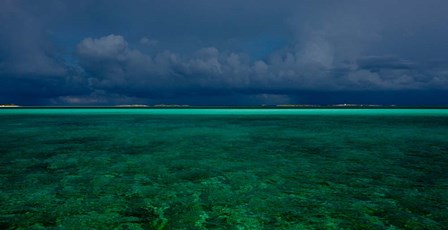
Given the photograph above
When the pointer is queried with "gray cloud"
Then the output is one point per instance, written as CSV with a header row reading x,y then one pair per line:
x,y
114,66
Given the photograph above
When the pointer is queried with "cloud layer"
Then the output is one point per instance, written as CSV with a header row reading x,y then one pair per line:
x,y
256,52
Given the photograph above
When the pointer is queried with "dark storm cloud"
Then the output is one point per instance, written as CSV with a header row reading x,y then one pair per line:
x,y
23,45
105,52
376,63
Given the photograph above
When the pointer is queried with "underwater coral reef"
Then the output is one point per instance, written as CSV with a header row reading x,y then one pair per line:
x,y
138,170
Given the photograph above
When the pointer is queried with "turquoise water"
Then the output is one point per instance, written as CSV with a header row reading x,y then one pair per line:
x,y
224,168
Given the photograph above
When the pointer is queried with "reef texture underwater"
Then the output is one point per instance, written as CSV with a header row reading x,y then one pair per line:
x,y
150,171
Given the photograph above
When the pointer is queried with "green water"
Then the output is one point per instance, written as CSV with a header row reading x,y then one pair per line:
x,y
224,168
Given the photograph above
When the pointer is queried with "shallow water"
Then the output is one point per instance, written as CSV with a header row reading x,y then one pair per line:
x,y
224,168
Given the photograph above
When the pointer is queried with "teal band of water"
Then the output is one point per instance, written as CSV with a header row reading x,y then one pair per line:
x,y
232,111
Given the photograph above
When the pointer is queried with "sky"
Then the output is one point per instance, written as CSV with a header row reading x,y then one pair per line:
x,y
215,52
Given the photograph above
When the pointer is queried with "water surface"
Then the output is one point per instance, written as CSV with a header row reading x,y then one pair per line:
x,y
224,168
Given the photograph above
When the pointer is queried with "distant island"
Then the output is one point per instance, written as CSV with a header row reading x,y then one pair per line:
x,y
8,105
297,105
163,105
357,105
132,105
160,105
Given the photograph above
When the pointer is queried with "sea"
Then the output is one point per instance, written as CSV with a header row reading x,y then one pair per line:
x,y
224,168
